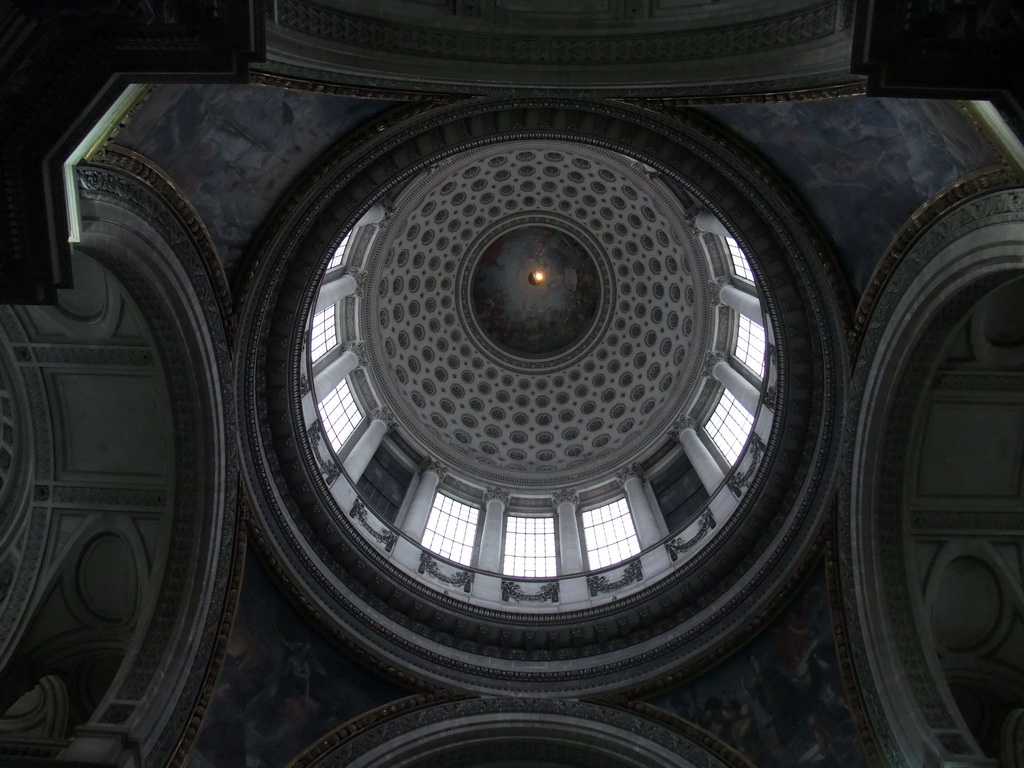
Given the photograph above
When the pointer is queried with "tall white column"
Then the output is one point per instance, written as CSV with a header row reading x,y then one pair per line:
x,y
570,549
743,302
495,502
745,392
705,464
708,222
647,530
359,457
419,510
340,367
335,289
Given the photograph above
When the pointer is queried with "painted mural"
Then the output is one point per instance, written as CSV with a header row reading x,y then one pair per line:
x,y
235,149
862,165
282,686
535,290
780,699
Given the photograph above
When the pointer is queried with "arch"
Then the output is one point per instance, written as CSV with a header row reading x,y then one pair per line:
x,y
537,732
137,229
964,255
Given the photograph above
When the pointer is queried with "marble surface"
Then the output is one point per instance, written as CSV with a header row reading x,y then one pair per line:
x,y
235,149
282,685
780,699
862,165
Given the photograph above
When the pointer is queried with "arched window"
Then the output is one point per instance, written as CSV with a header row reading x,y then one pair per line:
x,y
530,546
610,534
451,529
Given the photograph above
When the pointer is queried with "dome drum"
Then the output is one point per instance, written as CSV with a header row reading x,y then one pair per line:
x,y
661,622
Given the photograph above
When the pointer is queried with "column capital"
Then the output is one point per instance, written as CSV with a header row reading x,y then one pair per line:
x,y
715,286
681,424
570,495
497,494
384,414
711,361
436,467
357,348
627,473
358,276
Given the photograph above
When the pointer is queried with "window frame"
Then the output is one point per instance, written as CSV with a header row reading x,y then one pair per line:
x,y
328,428
331,329
555,556
731,409
627,513
758,375
471,546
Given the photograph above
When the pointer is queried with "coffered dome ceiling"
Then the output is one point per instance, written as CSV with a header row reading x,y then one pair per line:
x,y
536,385
540,385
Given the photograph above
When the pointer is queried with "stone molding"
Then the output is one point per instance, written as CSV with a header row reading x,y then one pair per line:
x,y
964,189
926,294
632,58
630,728
190,329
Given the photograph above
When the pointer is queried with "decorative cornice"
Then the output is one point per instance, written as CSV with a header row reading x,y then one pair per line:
x,y
714,744
124,160
312,84
369,720
850,89
487,47
401,721
961,191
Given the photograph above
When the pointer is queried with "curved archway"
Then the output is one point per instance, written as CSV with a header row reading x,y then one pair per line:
x,y
891,538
